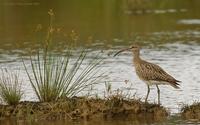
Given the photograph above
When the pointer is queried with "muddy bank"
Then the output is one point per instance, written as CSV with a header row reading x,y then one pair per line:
x,y
191,112
83,108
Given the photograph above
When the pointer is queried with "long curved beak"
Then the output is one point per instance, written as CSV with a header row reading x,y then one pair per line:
x,y
122,51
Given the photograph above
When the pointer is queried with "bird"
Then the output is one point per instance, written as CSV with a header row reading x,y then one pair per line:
x,y
150,73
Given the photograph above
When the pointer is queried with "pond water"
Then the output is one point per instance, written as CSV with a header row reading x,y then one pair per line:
x,y
169,32
145,121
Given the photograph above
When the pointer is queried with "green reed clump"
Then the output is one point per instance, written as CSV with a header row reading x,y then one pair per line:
x,y
54,76
10,87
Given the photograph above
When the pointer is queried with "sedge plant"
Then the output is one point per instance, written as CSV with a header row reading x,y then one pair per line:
x,y
54,76
10,87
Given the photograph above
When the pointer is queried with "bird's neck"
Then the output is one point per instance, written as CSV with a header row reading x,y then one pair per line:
x,y
136,57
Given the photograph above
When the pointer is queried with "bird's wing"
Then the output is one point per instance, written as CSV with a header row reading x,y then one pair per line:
x,y
154,72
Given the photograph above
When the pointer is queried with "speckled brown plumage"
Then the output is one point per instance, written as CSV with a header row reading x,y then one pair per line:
x,y
150,73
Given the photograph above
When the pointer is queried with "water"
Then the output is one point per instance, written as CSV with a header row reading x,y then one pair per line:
x,y
145,121
169,32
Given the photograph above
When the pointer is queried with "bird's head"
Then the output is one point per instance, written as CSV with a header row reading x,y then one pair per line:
x,y
134,48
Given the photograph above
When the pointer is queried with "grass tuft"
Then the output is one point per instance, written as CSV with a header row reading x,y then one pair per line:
x,y
54,77
10,87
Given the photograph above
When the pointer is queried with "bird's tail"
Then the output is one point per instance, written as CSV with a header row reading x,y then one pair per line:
x,y
175,84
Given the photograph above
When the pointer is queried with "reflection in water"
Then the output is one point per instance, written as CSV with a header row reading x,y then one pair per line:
x,y
174,120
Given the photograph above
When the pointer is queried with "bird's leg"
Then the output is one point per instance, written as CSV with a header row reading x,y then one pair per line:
x,y
158,94
147,93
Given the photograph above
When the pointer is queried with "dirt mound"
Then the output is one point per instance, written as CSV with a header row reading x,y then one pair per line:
x,y
191,112
83,108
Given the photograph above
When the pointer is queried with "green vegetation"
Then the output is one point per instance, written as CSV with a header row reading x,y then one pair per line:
x,y
53,77
10,87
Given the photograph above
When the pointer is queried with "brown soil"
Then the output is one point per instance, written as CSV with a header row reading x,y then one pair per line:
x,y
83,108
191,112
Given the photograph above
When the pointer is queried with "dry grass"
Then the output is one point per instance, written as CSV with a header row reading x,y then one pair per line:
x,y
83,108
115,104
191,111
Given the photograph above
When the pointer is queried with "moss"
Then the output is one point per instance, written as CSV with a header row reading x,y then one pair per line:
x,y
83,108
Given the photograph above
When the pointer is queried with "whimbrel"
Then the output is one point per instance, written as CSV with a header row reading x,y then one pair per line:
x,y
150,73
